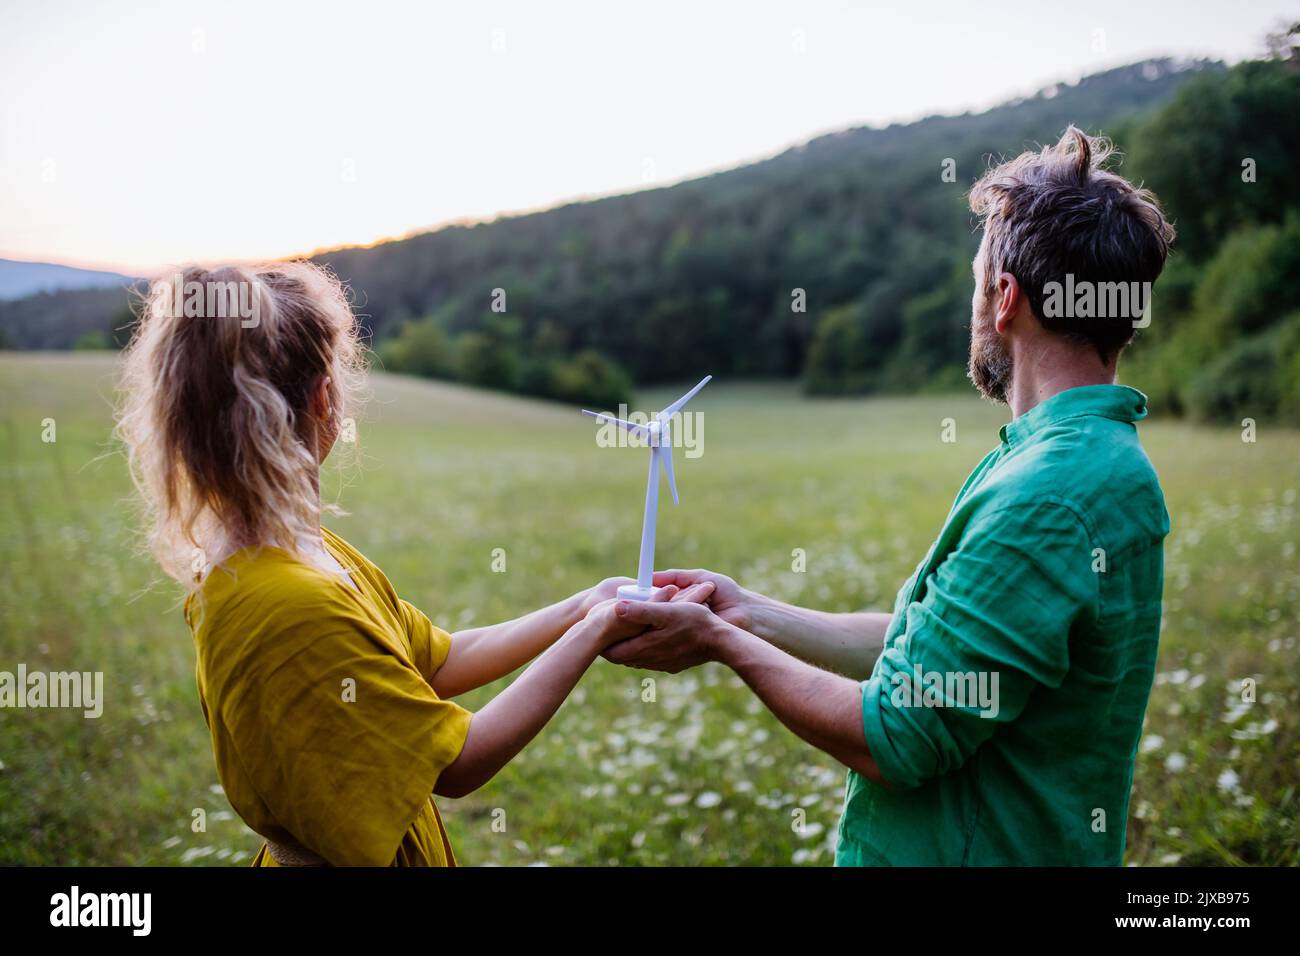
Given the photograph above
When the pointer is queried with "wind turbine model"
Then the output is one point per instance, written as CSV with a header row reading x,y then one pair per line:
x,y
657,436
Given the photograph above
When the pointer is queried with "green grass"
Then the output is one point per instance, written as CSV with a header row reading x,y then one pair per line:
x,y
702,775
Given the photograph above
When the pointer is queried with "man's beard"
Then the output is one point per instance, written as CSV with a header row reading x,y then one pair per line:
x,y
990,362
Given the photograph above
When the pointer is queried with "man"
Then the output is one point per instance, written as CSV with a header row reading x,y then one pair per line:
x,y
993,718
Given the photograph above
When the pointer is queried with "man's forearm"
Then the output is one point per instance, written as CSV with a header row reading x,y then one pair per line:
x,y
845,643
824,709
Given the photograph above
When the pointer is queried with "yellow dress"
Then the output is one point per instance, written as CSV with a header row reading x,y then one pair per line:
x,y
326,731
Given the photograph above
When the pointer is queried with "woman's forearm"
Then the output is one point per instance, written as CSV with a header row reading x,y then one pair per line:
x,y
481,655
505,726
845,643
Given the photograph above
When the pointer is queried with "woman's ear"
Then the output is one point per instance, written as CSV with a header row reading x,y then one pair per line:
x,y
321,403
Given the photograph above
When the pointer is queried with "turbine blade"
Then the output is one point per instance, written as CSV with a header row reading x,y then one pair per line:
x,y
666,462
676,406
641,430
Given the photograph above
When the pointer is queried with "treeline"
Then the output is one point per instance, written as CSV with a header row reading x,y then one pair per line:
x,y
844,262
494,356
1224,340
73,318
847,262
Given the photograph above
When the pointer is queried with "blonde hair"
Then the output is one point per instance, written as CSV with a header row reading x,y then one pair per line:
x,y
216,410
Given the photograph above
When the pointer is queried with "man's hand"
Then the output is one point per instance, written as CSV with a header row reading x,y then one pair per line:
x,y
824,709
609,623
844,643
730,601
678,635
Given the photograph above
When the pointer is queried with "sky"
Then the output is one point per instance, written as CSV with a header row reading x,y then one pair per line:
x,y
138,135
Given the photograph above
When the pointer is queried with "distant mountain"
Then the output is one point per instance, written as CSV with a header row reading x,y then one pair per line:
x,y
19,279
862,225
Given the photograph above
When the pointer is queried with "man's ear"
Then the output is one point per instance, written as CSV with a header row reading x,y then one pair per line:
x,y
1010,295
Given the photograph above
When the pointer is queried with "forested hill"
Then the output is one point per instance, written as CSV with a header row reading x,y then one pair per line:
x,y
707,272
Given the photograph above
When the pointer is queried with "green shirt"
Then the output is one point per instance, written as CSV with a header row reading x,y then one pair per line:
x,y
1006,707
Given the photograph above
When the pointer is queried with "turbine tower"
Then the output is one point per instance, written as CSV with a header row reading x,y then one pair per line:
x,y
658,436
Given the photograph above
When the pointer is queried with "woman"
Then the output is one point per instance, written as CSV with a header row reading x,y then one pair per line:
x,y
327,696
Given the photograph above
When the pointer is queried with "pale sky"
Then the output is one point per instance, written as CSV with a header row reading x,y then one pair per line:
x,y
136,135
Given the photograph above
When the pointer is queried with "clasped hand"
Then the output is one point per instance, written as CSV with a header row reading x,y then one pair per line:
x,y
680,627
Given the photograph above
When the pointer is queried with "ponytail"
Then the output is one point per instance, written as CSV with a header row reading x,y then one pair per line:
x,y
217,415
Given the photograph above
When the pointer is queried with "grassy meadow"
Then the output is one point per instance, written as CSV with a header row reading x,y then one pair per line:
x,y
702,775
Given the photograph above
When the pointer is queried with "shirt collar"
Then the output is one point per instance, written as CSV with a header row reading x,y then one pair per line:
x,y
1119,402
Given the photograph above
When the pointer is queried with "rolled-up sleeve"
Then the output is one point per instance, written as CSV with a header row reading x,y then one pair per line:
x,y
992,625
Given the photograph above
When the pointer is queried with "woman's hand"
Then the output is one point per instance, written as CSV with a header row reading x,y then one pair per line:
x,y
606,626
513,717
480,655
599,593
